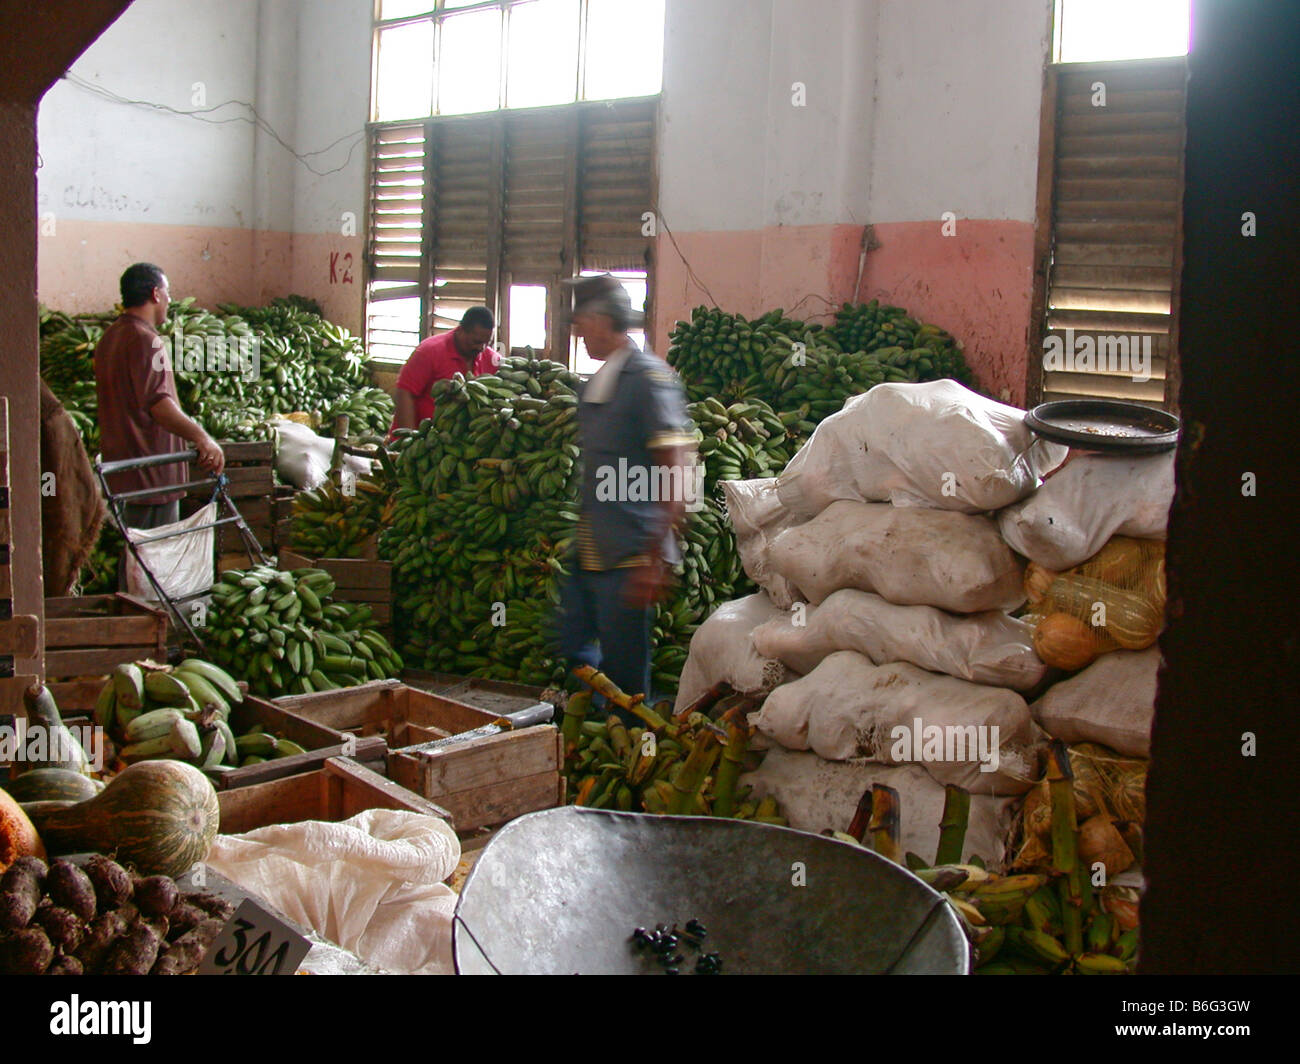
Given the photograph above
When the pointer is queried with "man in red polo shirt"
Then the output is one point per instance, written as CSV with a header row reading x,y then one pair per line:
x,y
463,350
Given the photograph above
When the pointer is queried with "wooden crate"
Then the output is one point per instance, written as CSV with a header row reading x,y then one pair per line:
x,y
86,636
488,779
282,515
355,580
250,472
495,696
339,789
403,715
320,742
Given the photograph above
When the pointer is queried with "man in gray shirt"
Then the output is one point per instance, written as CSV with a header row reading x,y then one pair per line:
x,y
635,436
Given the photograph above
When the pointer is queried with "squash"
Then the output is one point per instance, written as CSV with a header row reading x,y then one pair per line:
x,y
1133,620
1037,581
18,837
61,746
1065,641
1120,562
161,816
52,784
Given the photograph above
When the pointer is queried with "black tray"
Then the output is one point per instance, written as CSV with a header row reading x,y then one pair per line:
x,y
1105,425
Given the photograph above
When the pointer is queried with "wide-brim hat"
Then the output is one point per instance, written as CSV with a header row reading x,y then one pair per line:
x,y
603,294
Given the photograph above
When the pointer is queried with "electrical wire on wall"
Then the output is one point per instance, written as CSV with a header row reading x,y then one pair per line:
x,y
253,118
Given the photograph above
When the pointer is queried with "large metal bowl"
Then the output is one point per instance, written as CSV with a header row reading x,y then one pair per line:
x,y
559,893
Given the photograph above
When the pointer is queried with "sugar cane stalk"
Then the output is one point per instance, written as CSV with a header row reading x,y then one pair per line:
x,y
885,826
1065,845
952,828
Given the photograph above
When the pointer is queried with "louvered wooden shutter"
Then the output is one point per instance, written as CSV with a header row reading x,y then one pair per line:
x,y
538,155
395,240
615,185
465,217
1116,213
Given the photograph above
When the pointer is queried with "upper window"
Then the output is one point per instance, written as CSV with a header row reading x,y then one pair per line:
x,y
450,57
1093,31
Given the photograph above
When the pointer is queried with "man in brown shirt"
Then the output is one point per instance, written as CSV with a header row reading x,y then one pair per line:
x,y
139,413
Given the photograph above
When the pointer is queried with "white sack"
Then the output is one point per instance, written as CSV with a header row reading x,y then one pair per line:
x,y
721,650
183,565
909,556
1111,702
758,516
848,708
816,794
988,648
835,464
960,450
1070,518
373,884
303,458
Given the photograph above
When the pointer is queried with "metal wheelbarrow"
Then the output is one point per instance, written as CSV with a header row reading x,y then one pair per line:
x,y
560,892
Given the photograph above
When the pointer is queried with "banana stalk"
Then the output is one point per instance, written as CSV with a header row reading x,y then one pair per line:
x,y
952,827
733,755
1065,845
689,777
861,817
885,822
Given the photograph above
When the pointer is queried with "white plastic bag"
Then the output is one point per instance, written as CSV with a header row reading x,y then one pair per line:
x,y
816,794
303,458
721,650
959,450
372,884
1070,518
835,464
1112,702
183,565
989,648
909,556
758,516
848,708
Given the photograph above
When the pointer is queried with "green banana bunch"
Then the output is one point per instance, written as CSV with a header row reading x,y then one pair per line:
x,y
283,634
329,524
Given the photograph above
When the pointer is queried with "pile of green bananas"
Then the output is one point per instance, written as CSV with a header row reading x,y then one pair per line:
x,y
369,410
805,371
887,330
688,764
486,506
281,633
328,523
743,441
155,711
99,575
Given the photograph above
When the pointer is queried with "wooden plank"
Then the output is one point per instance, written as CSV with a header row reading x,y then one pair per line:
x,y
6,582
348,573
504,801
1118,166
284,801
481,762
1122,278
94,662
1117,233
364,789
101,632
20,635
1070,385
1147,101
1101,321
368,595
1079,253
1128,76
1101,120
1073,210
1065,297
261,452
76,695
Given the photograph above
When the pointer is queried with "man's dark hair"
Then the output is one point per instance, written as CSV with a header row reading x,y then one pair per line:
x,y
138,283
478,318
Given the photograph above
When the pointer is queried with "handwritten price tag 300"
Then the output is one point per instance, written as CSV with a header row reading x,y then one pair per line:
x,y
254,942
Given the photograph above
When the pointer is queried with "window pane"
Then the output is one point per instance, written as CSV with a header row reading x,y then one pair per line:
x,y
625,48
528,316
1098,30
542,67
404,82
402,8
392,326
469,67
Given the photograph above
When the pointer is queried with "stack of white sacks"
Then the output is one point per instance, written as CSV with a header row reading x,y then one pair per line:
x,y
891,554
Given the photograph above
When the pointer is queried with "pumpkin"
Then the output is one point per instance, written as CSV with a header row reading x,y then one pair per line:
x,y
1065,641
18,837
1119,562
161,816
52,785
1037,581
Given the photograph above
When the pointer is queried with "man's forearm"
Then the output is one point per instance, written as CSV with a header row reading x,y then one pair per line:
x,y
671,512
405,414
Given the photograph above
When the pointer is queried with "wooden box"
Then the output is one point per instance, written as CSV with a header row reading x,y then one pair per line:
x,y
495,696
250,472
355,580
86,636
488,779
402,715
337,790
320,742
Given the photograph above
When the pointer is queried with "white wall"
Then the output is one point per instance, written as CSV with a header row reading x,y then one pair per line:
x,y
958,96
112,162
736,153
